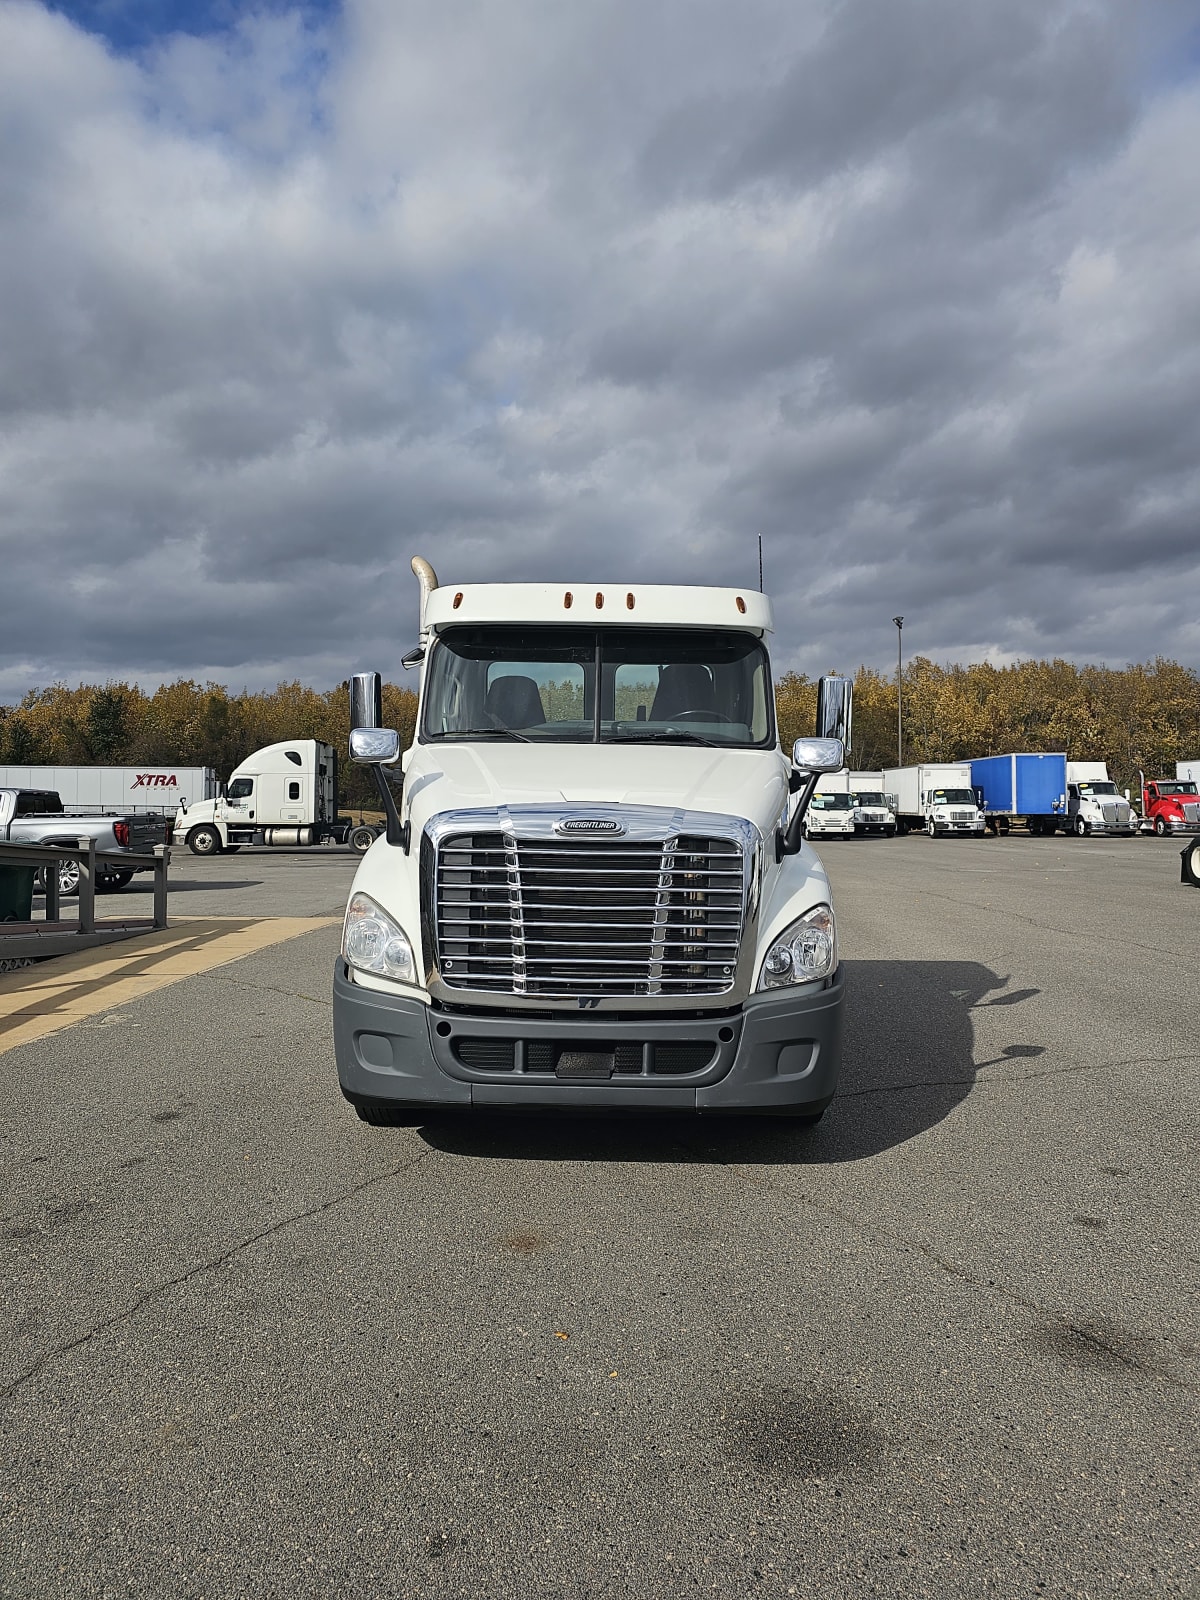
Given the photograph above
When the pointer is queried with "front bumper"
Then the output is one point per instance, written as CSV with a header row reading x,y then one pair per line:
x,y
778,1053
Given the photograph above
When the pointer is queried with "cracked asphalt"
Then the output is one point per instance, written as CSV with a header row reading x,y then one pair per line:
x,y
945,1344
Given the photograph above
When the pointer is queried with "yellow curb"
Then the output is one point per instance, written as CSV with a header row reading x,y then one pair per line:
x,y
36,1001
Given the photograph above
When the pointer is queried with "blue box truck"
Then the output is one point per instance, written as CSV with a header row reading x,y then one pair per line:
x,y
1025,787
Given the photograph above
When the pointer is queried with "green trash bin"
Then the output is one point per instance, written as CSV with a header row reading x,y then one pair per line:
x,y
16,893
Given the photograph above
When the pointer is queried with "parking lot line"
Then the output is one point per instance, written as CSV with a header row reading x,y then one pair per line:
x,y
36,1001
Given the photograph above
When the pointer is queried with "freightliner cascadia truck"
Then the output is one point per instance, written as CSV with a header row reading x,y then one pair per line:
x,y
594,891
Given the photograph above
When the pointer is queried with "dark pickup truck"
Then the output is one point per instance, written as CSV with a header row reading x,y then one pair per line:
x,y
36,816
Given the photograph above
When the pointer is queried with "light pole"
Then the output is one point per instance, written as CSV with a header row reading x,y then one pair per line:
x,y
899,621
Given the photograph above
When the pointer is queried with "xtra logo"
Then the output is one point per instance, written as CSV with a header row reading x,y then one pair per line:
x,y
155,780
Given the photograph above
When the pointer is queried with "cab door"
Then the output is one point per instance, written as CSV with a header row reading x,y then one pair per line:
x,y
240,802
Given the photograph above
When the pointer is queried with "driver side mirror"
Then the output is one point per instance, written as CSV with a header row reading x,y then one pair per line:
x,y
818,755
375,746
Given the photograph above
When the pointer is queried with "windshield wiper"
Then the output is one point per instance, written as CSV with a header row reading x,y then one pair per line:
x,y
483,733
664,736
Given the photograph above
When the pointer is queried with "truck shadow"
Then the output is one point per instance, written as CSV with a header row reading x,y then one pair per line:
x,y
908,1060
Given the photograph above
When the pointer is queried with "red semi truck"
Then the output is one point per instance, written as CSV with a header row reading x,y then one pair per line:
x,y
1171,804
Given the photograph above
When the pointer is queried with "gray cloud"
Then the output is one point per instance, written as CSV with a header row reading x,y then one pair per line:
x,y
908,287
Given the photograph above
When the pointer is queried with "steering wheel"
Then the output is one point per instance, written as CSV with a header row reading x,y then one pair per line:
x,y
699,716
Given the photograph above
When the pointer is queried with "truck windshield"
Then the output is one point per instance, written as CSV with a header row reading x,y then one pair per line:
x,y
1177,786
953,797
1097,788
831,802
868,797
599,685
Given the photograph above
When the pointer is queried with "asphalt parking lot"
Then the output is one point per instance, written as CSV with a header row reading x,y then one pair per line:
x,y
945,1344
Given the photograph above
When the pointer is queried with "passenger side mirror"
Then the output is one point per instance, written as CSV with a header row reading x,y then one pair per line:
x,y
375,746
810,757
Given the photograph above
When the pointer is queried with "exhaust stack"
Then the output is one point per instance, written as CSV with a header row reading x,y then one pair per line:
x,y
427,578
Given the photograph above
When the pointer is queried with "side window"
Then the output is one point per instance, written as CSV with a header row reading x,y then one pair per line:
x,y
293,756
293,790
241,788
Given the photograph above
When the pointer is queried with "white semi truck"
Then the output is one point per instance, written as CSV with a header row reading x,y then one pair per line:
x,y
1093,803
936,796
594,891
283,794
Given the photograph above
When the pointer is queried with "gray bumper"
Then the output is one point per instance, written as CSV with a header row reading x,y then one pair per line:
x,y
778,1053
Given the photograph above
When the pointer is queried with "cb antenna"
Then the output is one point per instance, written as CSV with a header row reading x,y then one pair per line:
x,y
760,586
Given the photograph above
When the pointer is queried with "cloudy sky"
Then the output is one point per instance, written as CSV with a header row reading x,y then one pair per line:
x,y
598,290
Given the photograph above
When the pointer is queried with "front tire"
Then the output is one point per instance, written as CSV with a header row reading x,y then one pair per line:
x,y
931,828
1081,828
204,841
361,839
1160,827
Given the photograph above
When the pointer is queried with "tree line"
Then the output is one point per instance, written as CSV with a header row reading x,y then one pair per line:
x,y
1140,716
1137,717
189,724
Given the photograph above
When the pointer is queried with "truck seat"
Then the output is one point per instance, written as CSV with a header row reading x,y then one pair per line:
x,y
682,686
514,702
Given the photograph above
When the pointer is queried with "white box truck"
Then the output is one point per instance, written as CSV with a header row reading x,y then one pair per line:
x,y
831,810
283,794
1189,771
160,788
873,813
594,891
936,796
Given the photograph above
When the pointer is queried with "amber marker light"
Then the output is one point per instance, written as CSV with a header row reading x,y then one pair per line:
x,y
629,602
568,600
599,601
741,605
458,600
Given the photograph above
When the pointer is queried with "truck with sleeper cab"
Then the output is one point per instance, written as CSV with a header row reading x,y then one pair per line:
x,y
283,794
594,891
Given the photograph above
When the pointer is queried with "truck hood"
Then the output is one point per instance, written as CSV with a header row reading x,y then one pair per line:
x,y
453,777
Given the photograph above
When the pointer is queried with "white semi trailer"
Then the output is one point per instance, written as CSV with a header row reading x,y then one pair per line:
x,y
936,796
283,794
151,787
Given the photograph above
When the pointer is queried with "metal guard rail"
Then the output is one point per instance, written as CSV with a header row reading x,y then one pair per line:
x,y
14,854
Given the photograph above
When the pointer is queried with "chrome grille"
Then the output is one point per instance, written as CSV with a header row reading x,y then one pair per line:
x,y
962,816
588,917
1191,811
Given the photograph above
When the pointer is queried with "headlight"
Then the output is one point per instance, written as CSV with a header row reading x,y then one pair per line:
x,y
372,942
803,952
